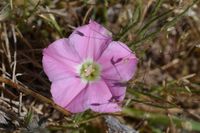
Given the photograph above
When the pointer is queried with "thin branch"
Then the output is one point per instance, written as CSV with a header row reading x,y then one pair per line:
x,y
28,91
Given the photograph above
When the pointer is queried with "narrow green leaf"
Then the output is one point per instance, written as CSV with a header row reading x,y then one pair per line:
x,y
146,26
28,117
161,119
134,21
135,44
157,7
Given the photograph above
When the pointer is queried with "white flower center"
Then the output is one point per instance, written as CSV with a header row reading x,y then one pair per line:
x,y
89,70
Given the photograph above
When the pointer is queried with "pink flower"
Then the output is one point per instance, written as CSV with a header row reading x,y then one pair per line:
x,y
88,70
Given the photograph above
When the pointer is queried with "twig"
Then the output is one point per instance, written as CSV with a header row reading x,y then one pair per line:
x,y
87,14
55,12
148,4
59,127
28,91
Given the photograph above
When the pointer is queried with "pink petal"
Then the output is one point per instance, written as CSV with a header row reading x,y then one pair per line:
x,y
118,62
106,108
65,90
117,89
59,60
95,96
78,104
98,92
100,98
90,40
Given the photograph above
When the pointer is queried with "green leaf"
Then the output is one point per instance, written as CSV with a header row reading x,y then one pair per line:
x,y
28,117
157,7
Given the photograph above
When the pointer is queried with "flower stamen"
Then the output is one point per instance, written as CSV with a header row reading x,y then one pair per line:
x,y
89,71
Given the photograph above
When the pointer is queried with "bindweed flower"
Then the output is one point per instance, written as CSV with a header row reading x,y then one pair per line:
x,y
88,70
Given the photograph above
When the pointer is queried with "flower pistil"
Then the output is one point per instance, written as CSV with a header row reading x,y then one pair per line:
x,y
89,71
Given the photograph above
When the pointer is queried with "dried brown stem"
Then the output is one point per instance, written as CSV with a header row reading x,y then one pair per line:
x,y
28,91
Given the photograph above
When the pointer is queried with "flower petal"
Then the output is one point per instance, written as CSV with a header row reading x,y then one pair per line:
x,y
117,89
98,92
106,108
118,62
65,90
55,70
90,40
59,60
95,96
99,97
78,104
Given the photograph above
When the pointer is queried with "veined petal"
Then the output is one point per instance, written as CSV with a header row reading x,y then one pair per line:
x,y
59,60
100,96
98,93
78,104
118,90
118,62
65,90
90,40
56,69
95,96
